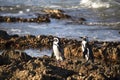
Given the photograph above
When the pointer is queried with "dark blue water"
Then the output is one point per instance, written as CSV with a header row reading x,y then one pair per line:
x,y
103,18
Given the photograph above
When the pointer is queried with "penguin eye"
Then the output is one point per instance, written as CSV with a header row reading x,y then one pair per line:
x,y
55,40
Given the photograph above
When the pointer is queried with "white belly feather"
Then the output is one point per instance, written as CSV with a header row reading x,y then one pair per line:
x,y
57,53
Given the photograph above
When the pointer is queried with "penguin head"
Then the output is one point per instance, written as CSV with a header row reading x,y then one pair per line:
x,y
85,38
56,40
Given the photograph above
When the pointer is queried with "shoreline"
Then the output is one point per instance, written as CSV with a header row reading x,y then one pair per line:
x,y
71,46
19,65
58,18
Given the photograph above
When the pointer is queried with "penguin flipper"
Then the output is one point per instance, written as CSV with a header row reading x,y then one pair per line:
x,y
61,52
52,55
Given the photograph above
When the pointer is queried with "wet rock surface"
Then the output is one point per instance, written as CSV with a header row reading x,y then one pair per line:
x,y
39,19
15,64
56,13
44,16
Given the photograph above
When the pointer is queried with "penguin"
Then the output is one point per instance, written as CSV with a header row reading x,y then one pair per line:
x,y
87,50
57,49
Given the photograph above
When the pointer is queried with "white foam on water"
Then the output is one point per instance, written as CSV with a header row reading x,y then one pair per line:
x,y
11,14
20,12
15,30
27,10
62,3
18,31
52,6
95,3
104,23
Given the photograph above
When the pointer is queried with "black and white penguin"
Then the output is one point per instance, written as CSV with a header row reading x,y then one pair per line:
x,y
87,50
57,49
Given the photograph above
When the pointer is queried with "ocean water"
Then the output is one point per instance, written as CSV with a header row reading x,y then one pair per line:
x,y
34,52
103,18
38,53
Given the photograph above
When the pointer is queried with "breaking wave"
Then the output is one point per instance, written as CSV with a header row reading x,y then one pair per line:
x,y
99,3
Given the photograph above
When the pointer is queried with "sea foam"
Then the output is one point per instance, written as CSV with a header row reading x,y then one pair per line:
x,y
94,3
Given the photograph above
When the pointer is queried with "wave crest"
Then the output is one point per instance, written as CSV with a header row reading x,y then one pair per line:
x,y
94,4
98,3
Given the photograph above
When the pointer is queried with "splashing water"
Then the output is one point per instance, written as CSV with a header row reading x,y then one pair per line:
x,y
98,3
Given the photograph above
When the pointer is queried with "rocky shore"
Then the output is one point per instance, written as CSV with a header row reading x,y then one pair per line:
x,y
44,15
17,65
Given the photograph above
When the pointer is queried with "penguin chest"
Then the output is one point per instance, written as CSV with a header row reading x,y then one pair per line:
x,y
56,50
83,45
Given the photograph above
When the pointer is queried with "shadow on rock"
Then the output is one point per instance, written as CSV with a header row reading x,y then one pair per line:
x,y
9,55
59,73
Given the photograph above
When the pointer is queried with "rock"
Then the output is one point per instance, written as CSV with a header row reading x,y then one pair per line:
x,y
30,36
14,36
46,68
15,64
105,50
1,63
4,35
69,78
90,78
24,74
9,44
60,16
57,14
82,19
39,19
15,55
53,11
